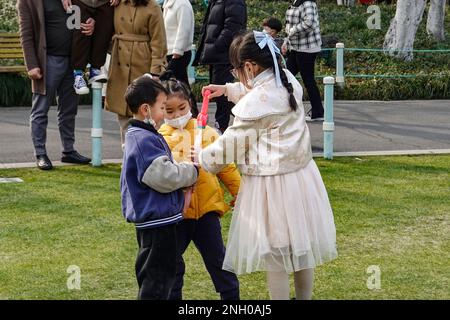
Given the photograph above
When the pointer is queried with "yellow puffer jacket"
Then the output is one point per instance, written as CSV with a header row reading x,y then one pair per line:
x,y
208,195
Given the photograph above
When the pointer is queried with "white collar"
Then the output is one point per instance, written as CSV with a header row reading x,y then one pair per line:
x,y
263,77
264,99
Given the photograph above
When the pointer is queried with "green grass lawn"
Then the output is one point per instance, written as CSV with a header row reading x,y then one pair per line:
x,y
389,211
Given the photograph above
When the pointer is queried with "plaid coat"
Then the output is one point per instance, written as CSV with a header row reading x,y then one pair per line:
x,y
302,26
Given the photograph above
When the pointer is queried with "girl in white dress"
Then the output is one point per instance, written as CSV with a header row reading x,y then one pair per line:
x,y
283,222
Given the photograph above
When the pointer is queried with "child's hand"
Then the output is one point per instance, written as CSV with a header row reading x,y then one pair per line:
x,y
216,90
67,4
114,3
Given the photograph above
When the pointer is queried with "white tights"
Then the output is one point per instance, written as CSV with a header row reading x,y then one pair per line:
x,y
278,283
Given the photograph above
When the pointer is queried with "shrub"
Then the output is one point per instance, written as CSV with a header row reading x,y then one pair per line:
x,y
8,20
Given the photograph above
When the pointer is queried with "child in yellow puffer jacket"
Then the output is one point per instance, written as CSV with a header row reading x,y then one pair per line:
x,y
201,222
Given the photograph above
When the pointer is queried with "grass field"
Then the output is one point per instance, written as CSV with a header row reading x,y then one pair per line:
x,y
393,212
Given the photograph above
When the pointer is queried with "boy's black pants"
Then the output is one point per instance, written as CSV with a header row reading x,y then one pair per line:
x,y
92,49
156,262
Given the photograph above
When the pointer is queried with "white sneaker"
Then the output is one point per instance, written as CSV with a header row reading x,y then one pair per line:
x,y
80,85
97,75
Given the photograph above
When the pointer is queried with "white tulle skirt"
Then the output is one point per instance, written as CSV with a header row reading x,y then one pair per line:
x,y
281,223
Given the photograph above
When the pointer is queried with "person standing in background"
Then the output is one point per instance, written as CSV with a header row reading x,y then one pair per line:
x,y
47,44
224,20
179,22
302,46
272,26
139,47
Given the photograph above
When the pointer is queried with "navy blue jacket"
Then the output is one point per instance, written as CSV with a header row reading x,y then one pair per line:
x,y
151,182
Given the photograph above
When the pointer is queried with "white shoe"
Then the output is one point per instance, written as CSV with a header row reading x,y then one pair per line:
x,y
80,85
97,75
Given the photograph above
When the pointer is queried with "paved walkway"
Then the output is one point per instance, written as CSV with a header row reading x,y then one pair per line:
x,y
361,126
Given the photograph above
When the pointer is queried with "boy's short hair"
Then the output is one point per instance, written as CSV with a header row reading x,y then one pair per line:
x,y
143,90
273,23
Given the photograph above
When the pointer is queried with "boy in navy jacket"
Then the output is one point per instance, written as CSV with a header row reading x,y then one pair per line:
x,y
151,185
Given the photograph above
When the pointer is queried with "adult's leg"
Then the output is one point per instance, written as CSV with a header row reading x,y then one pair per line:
x,y
208,240
41,105
291,62
156,262
306,63
81,44
220,74
304,283
185,230
278,284
67,107
101,39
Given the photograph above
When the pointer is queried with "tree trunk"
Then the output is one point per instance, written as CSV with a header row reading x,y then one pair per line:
x,y
435,21
348,3
399,39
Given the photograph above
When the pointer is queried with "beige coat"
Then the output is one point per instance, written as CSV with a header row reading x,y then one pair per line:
x,y
139,46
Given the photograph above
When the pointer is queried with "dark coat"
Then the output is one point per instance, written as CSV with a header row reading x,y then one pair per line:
x,y
32,35
224,19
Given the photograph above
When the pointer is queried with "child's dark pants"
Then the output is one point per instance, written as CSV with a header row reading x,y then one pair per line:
x,y
156,262
92,49
207,236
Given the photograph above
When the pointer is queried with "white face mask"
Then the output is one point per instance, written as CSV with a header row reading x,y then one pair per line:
x,y
148,119
181,122
250,79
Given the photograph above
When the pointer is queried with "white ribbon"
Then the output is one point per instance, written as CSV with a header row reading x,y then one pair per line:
x,y
264,39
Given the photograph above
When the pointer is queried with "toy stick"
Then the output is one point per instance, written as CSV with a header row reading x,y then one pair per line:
x,y
202,120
